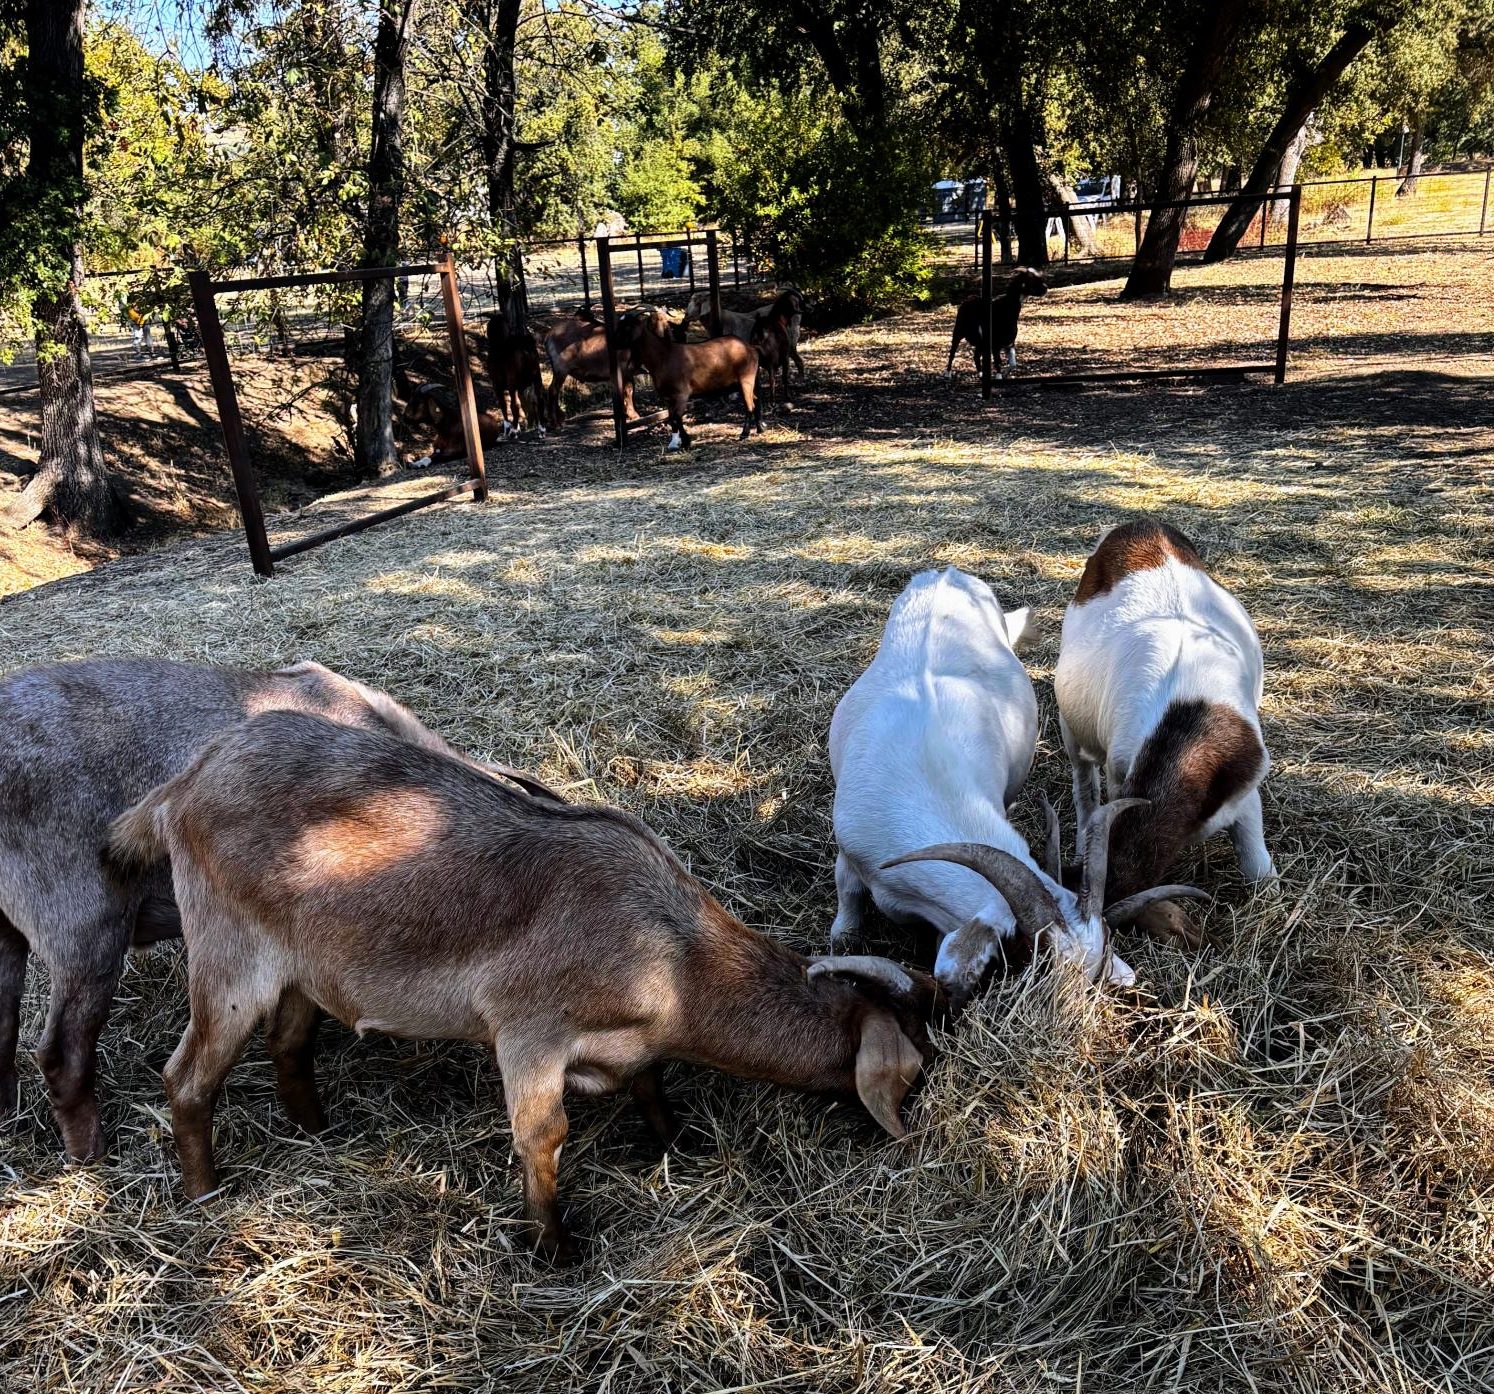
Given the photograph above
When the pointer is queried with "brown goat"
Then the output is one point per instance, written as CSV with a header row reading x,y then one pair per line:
x,y
433,406
577,348
514,367
79,743
1006,310
681,371
771,337
399,890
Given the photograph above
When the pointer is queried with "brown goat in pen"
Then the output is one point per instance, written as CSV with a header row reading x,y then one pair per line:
x,y
681,371
513,363
435,406
577,348
319,867
770,336
1006,309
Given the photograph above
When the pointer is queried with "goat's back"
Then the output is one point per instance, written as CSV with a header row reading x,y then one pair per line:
x,y
356,853
82,741
944,714
1146,633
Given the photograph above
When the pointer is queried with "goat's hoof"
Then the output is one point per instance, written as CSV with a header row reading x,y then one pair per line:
x,y
555,1246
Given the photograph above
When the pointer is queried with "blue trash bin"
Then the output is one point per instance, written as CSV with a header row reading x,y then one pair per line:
x,y
675,262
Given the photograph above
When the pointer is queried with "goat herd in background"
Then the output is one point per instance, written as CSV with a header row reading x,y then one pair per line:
x,y
323,852
752,351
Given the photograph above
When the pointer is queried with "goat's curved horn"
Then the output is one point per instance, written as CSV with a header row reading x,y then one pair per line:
x,y
1031,901
1097,853
1124,911
1053,840
869,968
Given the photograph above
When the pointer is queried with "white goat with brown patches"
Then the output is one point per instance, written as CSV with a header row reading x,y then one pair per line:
x,y
398,889
929,746
1159,680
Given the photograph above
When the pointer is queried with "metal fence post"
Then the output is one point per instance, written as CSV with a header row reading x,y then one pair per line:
x,y
609,323
1369,226
585,280
985,292
1483,214
1288,278
451,301
713,275
210,330
638,247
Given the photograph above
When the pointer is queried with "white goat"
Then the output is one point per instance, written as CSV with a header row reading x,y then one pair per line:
x,y
1160,678
929,746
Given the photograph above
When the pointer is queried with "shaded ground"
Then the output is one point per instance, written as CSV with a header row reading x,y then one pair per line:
x,y
1274,1171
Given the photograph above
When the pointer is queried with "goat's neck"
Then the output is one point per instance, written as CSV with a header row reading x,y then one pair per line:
x,y
1146,843
754,1012
653,350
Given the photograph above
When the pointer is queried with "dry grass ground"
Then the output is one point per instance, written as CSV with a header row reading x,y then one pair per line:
x,y
1272,1171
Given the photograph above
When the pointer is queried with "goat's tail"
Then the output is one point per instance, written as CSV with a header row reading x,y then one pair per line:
x,y
137,839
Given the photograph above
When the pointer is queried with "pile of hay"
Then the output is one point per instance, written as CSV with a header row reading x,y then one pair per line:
x,y
1274,1171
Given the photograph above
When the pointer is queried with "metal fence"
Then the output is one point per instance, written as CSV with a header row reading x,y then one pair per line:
x,y
1335,212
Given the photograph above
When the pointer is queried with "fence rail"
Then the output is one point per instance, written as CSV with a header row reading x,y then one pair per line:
x,y
1335,212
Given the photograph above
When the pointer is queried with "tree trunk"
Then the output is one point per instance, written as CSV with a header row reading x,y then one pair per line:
x,y
1302,100
1078,229
1029,185
500,101
70,485
1003,212
1412,172
1151,273
373,444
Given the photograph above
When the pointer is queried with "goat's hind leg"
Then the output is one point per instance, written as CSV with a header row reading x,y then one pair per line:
x,y
227,1000
653,1104
83,986
13,950
291,1041
850,903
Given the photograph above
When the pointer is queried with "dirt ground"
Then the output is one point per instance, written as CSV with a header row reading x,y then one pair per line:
x,y
1273,1169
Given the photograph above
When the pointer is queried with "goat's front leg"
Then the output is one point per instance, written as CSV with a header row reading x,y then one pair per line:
x,y
291,1041
1086,781
850,906
679,437
1248,834
534,1092
653,1104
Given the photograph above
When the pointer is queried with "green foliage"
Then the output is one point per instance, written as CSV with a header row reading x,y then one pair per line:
x,y
834,213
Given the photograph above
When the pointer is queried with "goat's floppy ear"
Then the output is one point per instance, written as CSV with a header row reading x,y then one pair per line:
x,y
887,1066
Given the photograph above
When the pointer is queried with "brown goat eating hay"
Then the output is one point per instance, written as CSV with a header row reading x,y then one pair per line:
x,y
322,868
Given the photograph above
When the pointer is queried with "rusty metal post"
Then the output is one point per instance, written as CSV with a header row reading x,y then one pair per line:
x,y
210,330
451,299
690,259
609,322
986,302
585,283
713,275
1369,227
638,247
1288,278
1483,215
